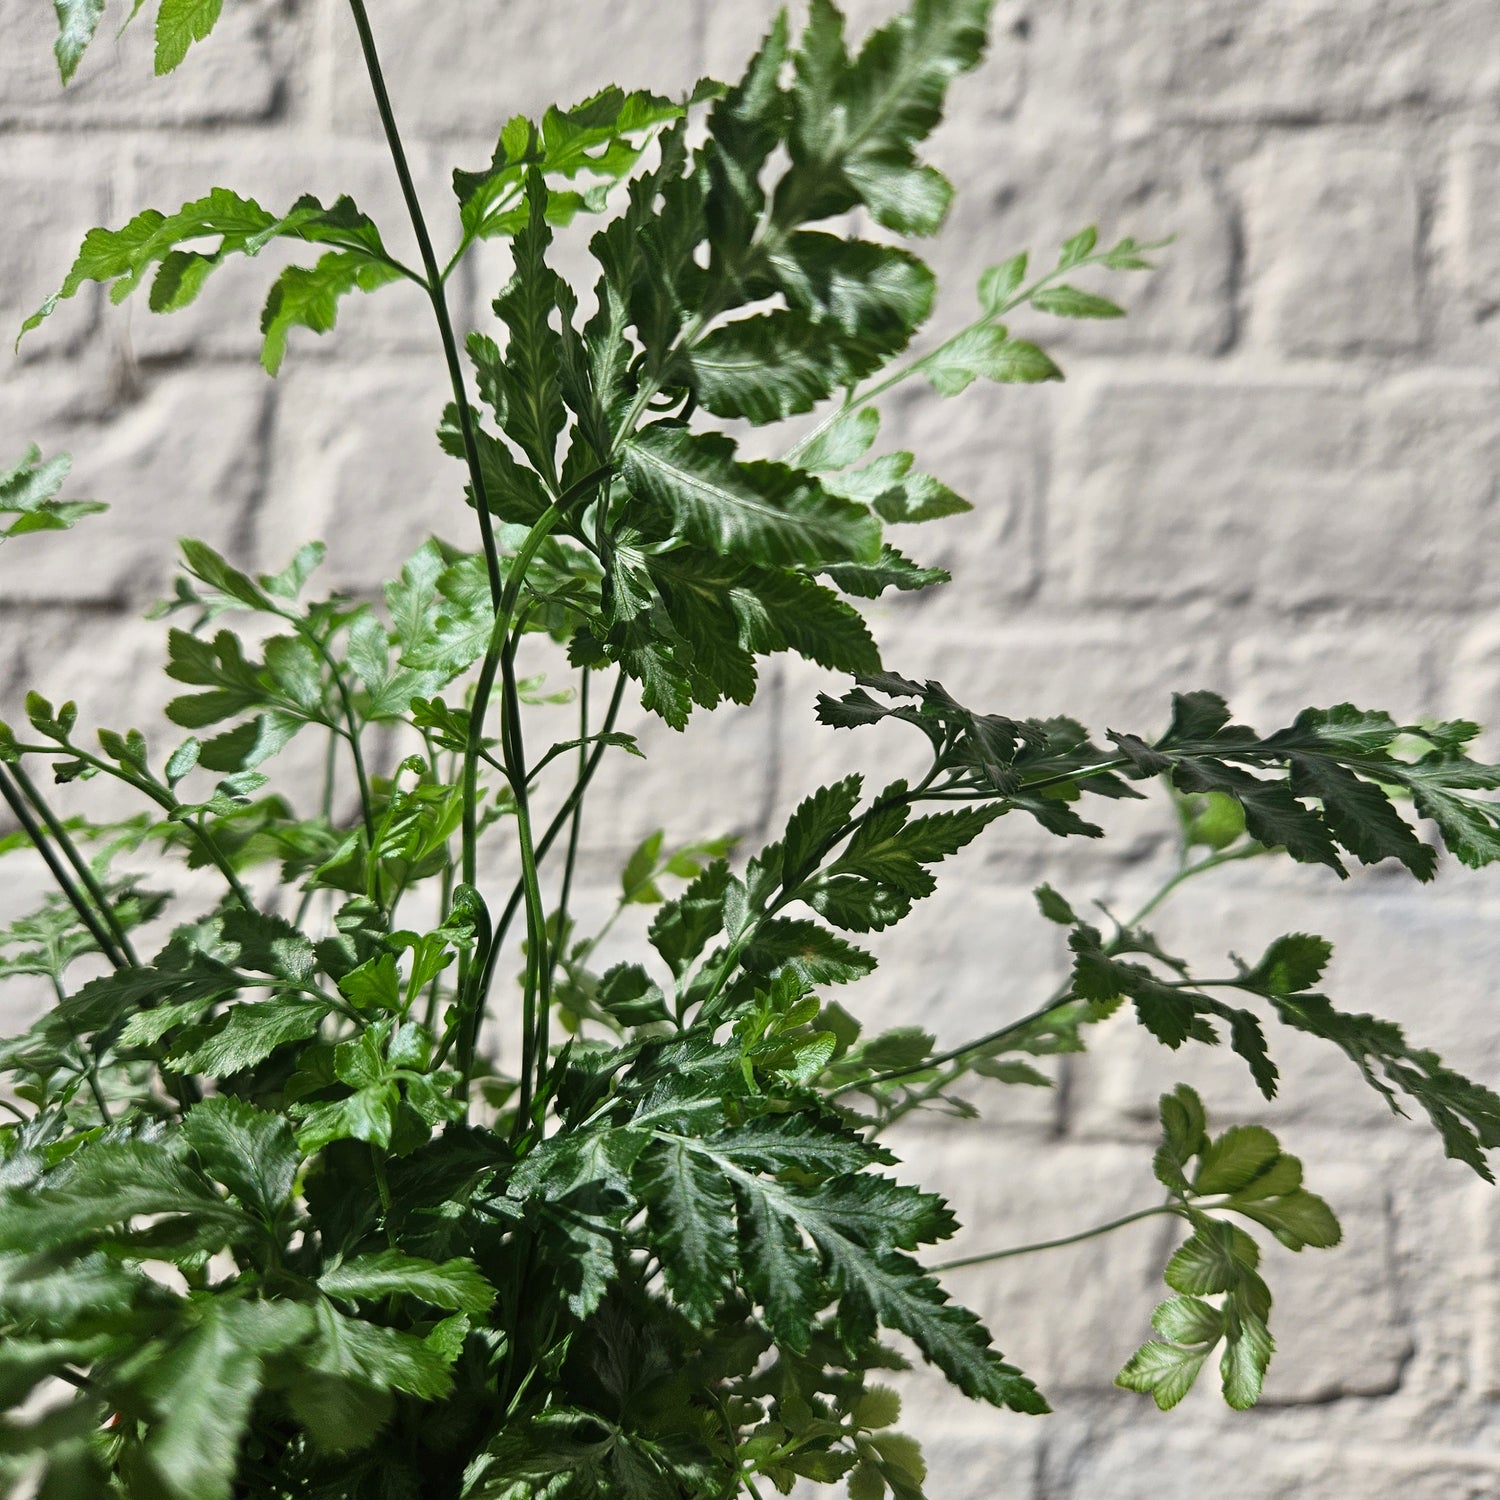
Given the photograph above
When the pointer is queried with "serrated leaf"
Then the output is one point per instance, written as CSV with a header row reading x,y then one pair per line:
x,y
1164,1371
180,23
1054,907
250,1151
761,511
854,127
244,1036
1213,1260
814,826
28,490
202,1394
691,1210
1235,1159
891,570
1248,1348
455,1284
308,297
998,284
77,21
841,442
774,365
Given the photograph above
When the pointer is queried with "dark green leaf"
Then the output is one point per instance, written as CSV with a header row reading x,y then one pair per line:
x,y
251,1152
761,511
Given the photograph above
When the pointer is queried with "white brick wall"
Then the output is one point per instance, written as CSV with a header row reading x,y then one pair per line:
x,y
1276,479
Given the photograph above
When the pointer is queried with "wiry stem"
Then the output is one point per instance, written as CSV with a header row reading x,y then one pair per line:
x,y
11,793
434,285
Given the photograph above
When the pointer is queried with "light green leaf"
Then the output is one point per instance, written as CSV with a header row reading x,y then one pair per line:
x,y
202,1392
1068,302
304,297
179,24
1000,283
244,1036
27,492
1165,1371
454,1284
986,351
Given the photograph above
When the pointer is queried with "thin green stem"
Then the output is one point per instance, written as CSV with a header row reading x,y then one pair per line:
x,y
536,1000
1252,851
435,291
11,793
330,784
575,827
383,1187
88,1063
163,799
570,805
80,865
1068,1239
346,704
916,366
1059,997
499,634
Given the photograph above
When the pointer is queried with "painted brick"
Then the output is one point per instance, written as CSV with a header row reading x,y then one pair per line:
x,y
1234,492
43,237
355,464
1285,60
1331,233
1282,669
1476,193
1151,1460
446,84
183,455
232,77
1005,1193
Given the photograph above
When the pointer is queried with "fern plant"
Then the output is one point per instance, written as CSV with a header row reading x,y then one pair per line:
x,y
300,1194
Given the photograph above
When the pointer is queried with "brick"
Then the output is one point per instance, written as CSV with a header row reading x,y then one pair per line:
x,y
45,227
1006,1194
181,455
1331,234
1338,1317
1441,431
1287,60
1154,1460
1476,194
1278,671
444,84
992,448
231,77
1231,492
1024,188
355,464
